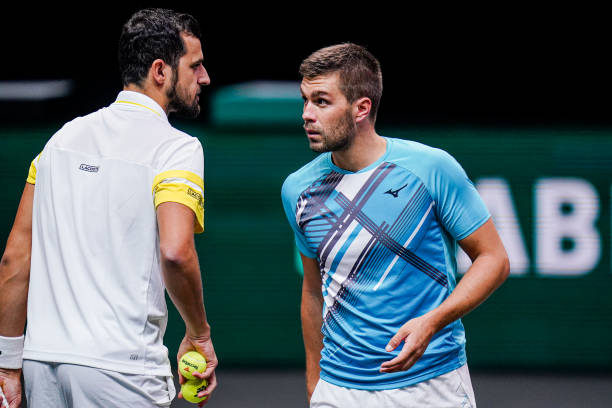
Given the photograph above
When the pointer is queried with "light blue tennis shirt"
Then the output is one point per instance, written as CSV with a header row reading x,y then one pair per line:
x,y
385,240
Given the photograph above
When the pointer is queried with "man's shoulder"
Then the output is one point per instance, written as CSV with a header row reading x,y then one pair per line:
x,y
176,141
153,141
83,120
158,134
76,125
409,148
175,135
418,157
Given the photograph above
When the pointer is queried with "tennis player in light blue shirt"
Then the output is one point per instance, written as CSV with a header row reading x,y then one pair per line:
x,y
377,221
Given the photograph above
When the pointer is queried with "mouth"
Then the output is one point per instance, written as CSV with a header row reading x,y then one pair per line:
x,y
312,132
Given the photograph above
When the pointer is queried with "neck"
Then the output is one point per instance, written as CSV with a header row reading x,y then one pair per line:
x,y
157,94
367,147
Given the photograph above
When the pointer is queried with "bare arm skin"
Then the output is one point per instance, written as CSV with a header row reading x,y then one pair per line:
x,y
490,268
14,283
181,271
312,321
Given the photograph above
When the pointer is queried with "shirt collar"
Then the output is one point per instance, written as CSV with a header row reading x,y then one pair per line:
x,y
140,101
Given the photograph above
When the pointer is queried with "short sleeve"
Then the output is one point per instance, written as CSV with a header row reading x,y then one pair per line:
x,y
290,200
32,171
181,179
459,206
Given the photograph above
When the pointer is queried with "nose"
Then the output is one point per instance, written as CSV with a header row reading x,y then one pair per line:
x,y
307,113
204,79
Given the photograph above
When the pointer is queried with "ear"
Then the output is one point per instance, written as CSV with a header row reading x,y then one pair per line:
x,y
361,109
160,72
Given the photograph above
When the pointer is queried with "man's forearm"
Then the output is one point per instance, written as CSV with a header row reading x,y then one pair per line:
x,y
14,283
312,320
485,275
184,286
489,269
15,269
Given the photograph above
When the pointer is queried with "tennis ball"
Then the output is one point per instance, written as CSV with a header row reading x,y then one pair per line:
x,y
190,362
192,388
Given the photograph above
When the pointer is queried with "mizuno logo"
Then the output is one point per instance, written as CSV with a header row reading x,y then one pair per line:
x,y
87,167
394,192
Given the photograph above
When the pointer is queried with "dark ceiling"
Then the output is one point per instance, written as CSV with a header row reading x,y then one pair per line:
x,y
482,66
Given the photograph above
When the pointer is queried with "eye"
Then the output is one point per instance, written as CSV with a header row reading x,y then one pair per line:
x,y
321,101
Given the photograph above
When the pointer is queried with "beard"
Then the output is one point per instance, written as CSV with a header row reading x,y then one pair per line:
x,y
338,136
179,100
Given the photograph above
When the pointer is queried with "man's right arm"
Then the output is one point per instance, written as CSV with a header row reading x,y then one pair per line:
x,y
312,321
181,272
14,284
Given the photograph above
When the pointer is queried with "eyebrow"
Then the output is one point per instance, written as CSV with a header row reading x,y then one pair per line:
x,y
315,94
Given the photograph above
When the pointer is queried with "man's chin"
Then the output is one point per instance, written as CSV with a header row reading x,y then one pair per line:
x,y
189,112
315,142
318,147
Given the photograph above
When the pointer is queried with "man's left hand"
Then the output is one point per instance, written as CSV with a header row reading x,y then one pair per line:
x,y
417,334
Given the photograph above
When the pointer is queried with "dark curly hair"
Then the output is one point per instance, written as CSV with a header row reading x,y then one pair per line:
x,y
151,34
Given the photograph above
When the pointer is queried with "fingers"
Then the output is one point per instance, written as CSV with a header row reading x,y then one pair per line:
x,y
210,369
396,340
196,375
212,384
399,359
396,363
404,360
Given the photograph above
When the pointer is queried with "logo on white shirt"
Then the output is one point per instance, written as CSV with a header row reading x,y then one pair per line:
x,y
89,168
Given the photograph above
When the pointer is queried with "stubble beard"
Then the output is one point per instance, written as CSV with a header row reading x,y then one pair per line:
x,y
178,100
338,137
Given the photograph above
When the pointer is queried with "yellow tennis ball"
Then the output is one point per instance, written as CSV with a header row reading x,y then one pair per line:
x,y
192,388
190,362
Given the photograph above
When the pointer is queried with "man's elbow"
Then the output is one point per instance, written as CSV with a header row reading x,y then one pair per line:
x,y
176,255
504,268
15,266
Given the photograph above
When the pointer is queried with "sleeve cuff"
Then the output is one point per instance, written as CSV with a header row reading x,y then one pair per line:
x,y
182,194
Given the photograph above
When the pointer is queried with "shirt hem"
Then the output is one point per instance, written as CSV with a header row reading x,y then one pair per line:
x,y
394,384
110,365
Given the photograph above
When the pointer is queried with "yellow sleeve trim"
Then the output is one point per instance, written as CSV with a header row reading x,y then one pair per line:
x,y
32,172
182,194
187,175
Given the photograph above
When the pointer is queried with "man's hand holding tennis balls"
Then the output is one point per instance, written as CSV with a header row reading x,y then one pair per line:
x,y
204,346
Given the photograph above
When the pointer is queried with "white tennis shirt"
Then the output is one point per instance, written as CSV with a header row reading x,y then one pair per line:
x,y
96,294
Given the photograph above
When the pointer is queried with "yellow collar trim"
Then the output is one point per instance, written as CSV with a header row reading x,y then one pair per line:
x,y
138,104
